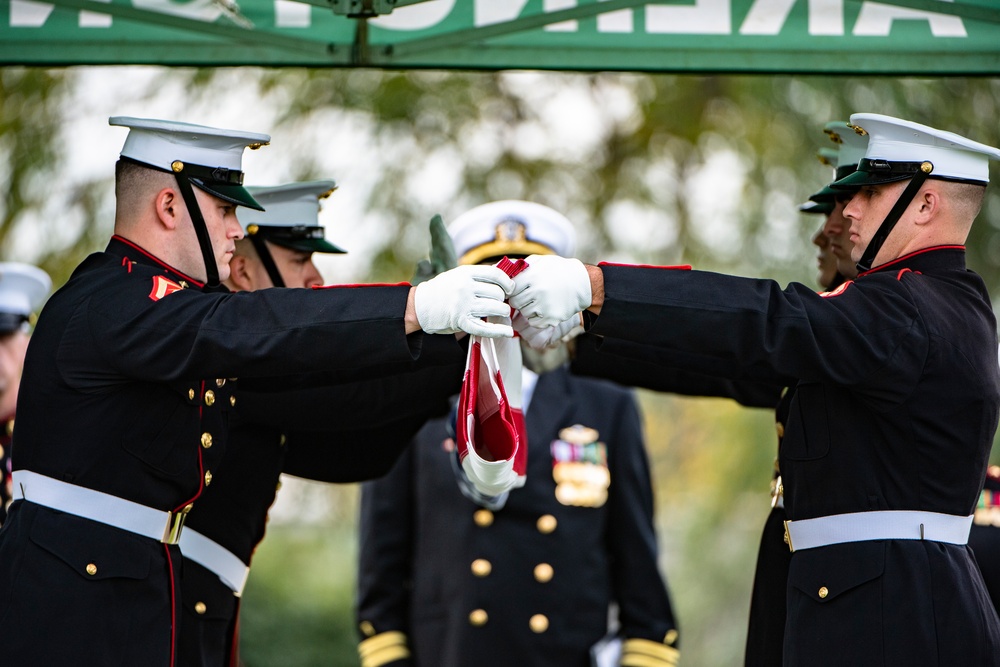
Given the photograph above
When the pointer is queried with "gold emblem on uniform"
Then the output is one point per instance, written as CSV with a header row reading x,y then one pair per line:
x,y
580,467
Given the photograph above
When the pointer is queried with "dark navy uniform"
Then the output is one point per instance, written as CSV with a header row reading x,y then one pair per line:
x,y
984,539
446,582
115,398
291,432
624,362
908,351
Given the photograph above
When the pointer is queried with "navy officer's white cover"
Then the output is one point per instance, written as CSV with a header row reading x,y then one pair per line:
x,y
511,227
291,215
898,148
212,157
23,288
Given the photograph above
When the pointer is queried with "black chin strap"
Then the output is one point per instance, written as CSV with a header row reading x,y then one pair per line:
x,y
865,263
201,229
260,245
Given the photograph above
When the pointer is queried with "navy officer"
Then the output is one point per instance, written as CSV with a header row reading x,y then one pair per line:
x,y
450,580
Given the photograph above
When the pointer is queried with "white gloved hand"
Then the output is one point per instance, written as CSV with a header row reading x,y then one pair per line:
x,y
551,290
548,338
458,299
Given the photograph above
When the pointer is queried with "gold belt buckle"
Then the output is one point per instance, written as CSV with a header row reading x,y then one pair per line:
x,y
788,537
175,522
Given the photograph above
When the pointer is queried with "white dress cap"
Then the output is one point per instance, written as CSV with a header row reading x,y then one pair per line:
x,y
209,157
511,227
894,143
23,288
851,145
159,143
291,215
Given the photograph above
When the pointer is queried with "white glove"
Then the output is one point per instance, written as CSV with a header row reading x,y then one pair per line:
x,y
546,339
551,290
458,299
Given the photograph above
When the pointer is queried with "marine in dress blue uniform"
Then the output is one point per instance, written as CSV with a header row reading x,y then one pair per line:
x,y
138,359
272,431
529,580
23,288
623,362
896,402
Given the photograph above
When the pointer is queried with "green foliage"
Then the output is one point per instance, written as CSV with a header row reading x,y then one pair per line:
x,y
296,609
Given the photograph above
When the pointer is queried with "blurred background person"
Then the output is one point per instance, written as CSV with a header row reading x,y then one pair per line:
x,y
23,288
539,578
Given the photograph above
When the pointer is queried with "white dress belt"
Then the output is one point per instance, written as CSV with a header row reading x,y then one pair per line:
x,y
98,506
211,555
881,525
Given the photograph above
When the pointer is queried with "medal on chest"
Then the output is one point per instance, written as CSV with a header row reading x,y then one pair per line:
x,y
580,467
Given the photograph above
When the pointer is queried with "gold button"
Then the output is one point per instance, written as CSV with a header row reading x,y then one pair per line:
x,y
91,569
209,398
539,623
780,428
208,477
232,401
481,567
823,592
200,607
543,573
478,617
670,637
183,284
206,440
367,629
191,394
483,518
546,524
282,440
221,382
1,451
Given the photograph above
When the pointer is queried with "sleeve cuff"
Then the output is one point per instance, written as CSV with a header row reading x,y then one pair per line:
x,y
646,653
383,648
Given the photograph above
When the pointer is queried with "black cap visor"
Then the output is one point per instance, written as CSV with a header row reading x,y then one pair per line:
x,y
230,192
301,238
11,322
822,208
877,172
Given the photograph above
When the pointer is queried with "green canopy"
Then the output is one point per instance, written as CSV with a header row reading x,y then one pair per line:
x,y
933,37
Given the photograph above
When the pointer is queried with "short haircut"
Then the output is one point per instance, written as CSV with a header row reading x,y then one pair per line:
x,y
966,198
134,181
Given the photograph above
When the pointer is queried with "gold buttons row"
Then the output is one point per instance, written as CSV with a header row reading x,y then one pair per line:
x,y
210,395
538,623
484,518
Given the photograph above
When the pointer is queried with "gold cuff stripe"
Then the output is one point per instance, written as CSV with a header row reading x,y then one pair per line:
x,y
381,641
385,655
649,649
633,660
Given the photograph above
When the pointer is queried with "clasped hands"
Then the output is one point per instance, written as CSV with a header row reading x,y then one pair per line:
x,y
548,297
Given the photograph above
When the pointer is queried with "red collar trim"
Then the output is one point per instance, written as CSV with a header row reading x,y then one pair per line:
x,y
882,267
155,260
